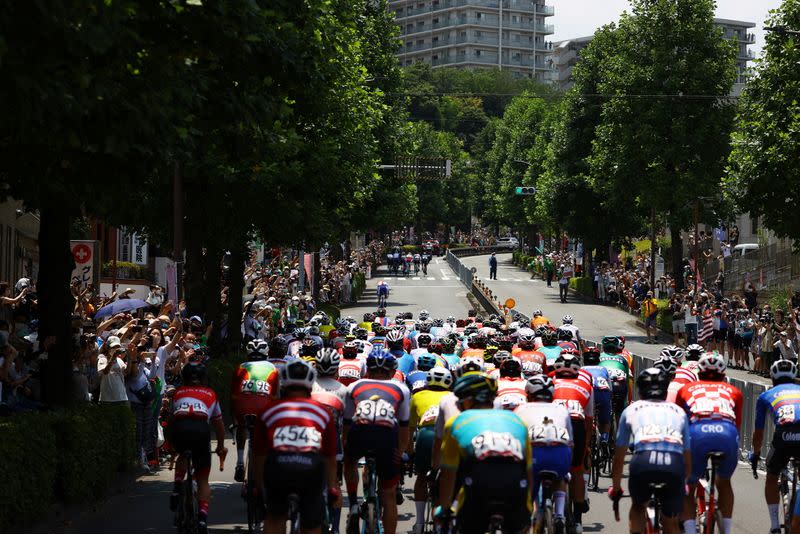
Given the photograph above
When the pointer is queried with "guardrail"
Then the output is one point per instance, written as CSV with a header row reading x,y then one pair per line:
x,y
750,392
479,290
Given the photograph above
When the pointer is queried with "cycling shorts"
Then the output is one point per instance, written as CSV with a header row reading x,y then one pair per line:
x,y
651,467
557,459
619,396
580,442
713,436
785,445
423,449
192,434
380,442
491,487
247,404
303,474
602,405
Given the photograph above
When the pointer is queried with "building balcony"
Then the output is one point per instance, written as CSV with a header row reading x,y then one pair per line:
x,y
527,6
465,60
746,55
749,38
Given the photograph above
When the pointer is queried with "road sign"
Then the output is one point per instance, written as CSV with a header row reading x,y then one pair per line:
x,y
510,303
524,190
87,262
474,270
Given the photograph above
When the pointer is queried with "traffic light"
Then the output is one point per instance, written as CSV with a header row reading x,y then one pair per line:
x,y
522,190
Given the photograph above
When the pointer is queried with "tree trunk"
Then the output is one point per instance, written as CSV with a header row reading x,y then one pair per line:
x,y
235,295
55,299
212,307
653,250
677,256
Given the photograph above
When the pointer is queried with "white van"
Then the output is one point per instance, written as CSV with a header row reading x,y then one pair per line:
x,y
744,248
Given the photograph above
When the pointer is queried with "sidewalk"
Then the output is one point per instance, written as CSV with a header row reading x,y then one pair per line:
x,y
593,320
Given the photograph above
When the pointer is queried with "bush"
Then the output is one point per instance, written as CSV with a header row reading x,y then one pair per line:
x,y
127,271
332,311
413,249
220,374
582,285
359,284
70,455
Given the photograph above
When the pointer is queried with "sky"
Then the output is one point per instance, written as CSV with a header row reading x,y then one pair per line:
x,y
578,18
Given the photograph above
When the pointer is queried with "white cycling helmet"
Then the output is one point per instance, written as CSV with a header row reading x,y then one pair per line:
x,y
567,319
258,345
470,363
783,370
711,362
674,353
327,362
298,372
423,315
439,377
530,369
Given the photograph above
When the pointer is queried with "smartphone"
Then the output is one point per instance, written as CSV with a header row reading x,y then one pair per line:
x,y
143,322
136,328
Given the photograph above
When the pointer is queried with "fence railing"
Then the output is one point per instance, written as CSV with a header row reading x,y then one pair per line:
x,y
768,267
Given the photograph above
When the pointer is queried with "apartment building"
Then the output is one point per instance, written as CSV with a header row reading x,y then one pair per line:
x,y
566,54
495,34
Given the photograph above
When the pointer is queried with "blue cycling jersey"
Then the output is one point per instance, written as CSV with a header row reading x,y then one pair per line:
x,y
405,362
600,378
654,426
416,380
551,353
783,402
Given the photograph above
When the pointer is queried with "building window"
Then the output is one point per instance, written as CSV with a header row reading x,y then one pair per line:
x,y
477,53
409,44
463,34
420,23
435,57
514,18
420,42
435,40
436,21
478,33
478,14
421,5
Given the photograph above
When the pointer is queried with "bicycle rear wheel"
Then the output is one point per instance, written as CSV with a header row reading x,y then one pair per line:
x,y
253,510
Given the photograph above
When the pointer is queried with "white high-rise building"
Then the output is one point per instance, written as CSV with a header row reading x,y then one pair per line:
x,y
504,34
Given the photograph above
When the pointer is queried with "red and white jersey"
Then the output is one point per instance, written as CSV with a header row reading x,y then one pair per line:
x,y
510,393
351,370
195,402
331,393
299,425
690,365
575,394
531,356
683,376
716,401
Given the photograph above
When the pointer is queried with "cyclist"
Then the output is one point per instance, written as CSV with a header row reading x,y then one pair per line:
x,y
278,349
550,347
417,261
350,367
418,378
693,354
511,386
376,422
255,382
525,350
679,376
782,403
658,432
424,410
394,343
383,293
449,351
550,429
619,371
602,390
574,391
295,446
491,451
538,319
194,406
714,408
568,323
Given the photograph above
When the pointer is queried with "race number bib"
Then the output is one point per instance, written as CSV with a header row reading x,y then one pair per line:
x,y
296,438
549,434
509,401
349,372
496,445
719,406
375,412
786,414
257,387
418,384
429,417
616,375
658,433
574,407
602,384
190,407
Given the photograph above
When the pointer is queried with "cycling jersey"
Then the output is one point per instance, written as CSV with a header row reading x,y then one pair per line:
x,y
549,424
425,407
510,393
377,403
782,402
576,395
601,384
417,380
479,435
448,409
405,361
616,362
576,334
550,354
683,376
195,402
717,401
330,392
377,341
691,365
472,352
351,370
654,426
296,426
452,360
541,320
531,356
259,378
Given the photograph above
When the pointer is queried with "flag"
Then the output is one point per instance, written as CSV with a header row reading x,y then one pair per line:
x,y
706,327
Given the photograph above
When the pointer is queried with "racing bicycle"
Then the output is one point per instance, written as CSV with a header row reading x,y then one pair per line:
x,y
370,510
547,523
709,517
787,487
186,512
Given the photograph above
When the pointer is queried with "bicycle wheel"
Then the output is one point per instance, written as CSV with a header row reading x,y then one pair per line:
x,y
253,510
785,508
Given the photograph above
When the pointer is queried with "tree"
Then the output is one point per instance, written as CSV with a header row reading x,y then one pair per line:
x,y
764,167
663,137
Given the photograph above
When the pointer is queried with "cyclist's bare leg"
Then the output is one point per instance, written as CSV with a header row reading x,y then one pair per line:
x,y
669,525
725,496
689,503
350,469
389,502
241,437
636,518
420,488
771,489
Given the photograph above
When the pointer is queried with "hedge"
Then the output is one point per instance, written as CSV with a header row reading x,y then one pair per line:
x,y
359,284
68,455
127,271
582,285
664,317
526,262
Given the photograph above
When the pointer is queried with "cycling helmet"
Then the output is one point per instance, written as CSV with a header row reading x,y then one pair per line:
x,y
297,373
324,319
451,320
479,387
537,313
361,333
541,330
448,345
469,364
478,342
491,349
424,326
426,362
674,353
540,387
526,341
652,384
258,349
439,377
423,340
549,338
564,334
193,373
666,364
479,318
591,356
783,371
341,326
570,348
381,312
567,365
327,362
378,329
511,368
278,347
423,315
438,323
470,329
436,347
711,364
530,369
369,317
400,318
309,347
694,351
611,343
350,350
501,356
313,330
567,319
394,339
505,343
381,360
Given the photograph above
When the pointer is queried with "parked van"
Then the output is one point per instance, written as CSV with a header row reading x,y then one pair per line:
x,y
744,248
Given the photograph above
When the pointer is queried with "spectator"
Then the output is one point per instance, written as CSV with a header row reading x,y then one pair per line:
x,y
650,308
690,320
111,367
750,295
493,267
8,301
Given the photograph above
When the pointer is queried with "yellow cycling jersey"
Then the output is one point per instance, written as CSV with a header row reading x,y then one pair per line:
x,y
366,326
425,407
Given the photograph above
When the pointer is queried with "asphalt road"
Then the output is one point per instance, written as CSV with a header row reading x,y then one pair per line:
x,y
142,507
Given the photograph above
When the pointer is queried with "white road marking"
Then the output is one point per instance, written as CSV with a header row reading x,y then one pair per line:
x,y
431,278
504,279
516,280
415,278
